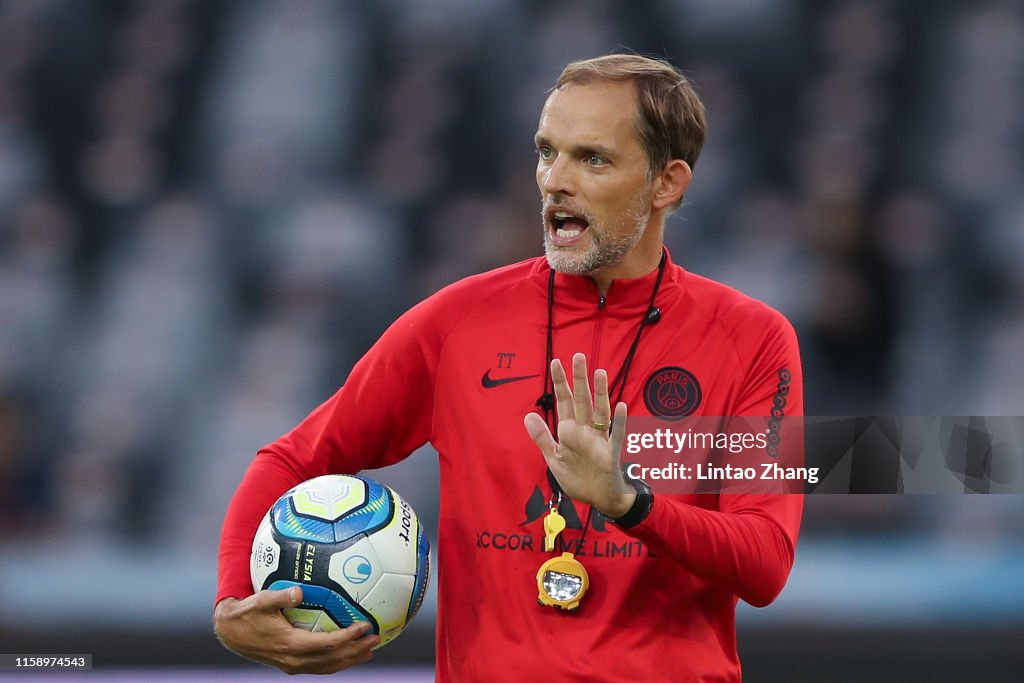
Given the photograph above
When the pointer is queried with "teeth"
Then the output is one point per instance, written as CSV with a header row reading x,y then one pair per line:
x,y
562,232
563,215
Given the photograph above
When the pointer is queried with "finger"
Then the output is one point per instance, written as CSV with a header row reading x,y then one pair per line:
x,y
354,633
353,640
541,435
602,403
273,601
330,661
618,435
563,394
583,403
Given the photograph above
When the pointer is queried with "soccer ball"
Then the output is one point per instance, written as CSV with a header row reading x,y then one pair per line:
x,y
355,548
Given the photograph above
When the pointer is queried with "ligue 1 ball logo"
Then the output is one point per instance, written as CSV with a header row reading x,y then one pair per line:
x,y
265,555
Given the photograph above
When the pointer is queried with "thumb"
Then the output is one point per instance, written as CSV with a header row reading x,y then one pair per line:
x,y
272,601
539,432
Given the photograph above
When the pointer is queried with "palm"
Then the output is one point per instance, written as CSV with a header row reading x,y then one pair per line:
x,y
585,467
585,458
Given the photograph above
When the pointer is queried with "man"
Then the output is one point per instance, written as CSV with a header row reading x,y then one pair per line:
x,y
616,142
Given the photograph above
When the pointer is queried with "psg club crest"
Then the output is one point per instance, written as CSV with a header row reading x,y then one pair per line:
x,y
672,393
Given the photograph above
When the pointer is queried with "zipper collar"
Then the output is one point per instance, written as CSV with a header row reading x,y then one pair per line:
x,y
626,297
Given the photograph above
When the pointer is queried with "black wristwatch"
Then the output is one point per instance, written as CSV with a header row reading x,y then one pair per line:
x,y
641,506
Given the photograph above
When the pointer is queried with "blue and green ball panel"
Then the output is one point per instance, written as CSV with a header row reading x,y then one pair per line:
x,y
342,612
290,523
374,514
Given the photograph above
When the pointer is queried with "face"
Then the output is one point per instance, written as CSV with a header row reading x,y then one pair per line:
x,y
592,175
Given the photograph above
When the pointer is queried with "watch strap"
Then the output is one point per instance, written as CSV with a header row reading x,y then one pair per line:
x,y
641,507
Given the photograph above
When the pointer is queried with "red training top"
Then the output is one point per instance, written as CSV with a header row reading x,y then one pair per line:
x,y
461,370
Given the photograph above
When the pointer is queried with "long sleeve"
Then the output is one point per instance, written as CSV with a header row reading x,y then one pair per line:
x,y
747,544
381,415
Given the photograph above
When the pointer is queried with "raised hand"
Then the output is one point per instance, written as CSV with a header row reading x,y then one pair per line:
x,y
585,458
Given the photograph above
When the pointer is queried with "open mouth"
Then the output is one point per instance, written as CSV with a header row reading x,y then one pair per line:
x,y
565,227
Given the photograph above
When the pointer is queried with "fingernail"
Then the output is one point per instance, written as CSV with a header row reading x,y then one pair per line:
x,y
293,594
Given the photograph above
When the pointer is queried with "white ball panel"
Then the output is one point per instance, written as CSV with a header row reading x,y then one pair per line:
x,y
389,602
396,543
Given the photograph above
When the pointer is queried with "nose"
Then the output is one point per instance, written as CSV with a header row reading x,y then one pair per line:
x,y
556,176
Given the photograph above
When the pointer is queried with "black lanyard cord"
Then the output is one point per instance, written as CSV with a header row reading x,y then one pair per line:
x,y
546,402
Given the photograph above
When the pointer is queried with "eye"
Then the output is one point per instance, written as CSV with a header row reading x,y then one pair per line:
x,y
595,160
545,152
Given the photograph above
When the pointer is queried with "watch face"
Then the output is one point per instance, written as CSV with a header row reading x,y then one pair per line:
x,y
561,586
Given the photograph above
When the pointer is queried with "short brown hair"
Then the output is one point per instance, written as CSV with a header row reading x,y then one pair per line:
x,y
671,122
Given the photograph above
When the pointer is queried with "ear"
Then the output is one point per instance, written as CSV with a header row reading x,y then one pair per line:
x,y
670,185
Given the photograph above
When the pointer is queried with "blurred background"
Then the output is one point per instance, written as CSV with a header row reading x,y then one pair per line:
x,y
209,211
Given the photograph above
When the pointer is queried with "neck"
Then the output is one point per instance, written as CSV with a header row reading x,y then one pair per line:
x,y
643,259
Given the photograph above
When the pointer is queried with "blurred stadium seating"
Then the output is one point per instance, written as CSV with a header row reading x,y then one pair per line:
x,y
209,210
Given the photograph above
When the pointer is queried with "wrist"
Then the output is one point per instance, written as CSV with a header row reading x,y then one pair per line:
x,y
639,509
222,609
620,504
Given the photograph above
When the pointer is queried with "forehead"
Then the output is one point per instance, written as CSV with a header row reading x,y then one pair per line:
x,y
600,112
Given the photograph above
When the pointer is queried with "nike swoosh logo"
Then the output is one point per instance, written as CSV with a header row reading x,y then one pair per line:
x,y
489,383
